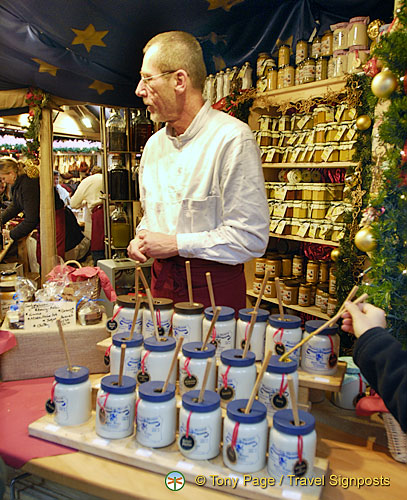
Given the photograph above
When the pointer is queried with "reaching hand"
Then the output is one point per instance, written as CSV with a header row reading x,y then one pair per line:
x,y
359,318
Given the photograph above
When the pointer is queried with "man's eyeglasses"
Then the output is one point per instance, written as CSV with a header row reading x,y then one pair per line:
x,y
147,79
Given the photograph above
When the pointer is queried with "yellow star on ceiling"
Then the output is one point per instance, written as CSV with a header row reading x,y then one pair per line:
x,y
89,37
46,67
101,87
224,4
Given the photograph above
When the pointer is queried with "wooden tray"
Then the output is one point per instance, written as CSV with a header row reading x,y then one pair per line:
x,y
164,460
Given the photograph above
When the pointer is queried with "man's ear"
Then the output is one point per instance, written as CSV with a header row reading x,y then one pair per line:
x,y
181,77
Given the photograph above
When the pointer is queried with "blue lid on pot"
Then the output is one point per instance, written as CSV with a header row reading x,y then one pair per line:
x,y
283,421
76,376
152,391
233,357
110,383
194,350
277,366
210,402
225,314
245,314
235,411
121,338
161,345
313,324
289,322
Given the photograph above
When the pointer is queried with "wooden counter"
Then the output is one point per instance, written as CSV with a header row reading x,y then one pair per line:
x,y
349,455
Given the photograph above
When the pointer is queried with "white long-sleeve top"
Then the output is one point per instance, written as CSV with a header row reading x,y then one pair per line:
x,y
89,190
206,186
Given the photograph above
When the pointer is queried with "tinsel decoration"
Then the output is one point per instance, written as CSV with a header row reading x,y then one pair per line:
x,y
237,103
387,286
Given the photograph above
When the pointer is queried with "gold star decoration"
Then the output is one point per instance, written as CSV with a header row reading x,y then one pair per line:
x,y
89,37
100,87
222,4
46,67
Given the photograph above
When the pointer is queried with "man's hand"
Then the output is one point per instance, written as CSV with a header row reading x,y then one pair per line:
x,y
148,244
359,318
134,249
157,245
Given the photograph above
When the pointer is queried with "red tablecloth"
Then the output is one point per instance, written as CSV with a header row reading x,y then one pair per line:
x,y
23,402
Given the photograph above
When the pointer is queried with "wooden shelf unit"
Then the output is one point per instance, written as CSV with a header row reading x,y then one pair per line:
x,y
305,240
314,311
333,164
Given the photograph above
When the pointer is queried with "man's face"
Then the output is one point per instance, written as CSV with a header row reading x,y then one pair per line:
x,y
157,93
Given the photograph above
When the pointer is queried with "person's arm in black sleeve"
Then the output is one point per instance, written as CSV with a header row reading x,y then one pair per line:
x,y
383,363
29,196
9,213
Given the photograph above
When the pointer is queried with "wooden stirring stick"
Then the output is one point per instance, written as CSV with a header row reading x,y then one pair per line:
x,y
189,281
150,302
262,288
249,333
211,327
122,355
293,396
61,333
330,322
205,380
210,289
258,380
280,302
174,360
137,306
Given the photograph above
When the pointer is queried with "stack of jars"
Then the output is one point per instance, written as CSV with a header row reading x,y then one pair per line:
x,y
342,49
304,282
220,85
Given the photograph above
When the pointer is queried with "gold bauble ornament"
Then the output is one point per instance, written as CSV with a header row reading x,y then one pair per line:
x,y
335,254
364,239
384,84
363,122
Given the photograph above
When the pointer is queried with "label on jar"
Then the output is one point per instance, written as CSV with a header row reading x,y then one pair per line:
x,y
303,121
226,393
300,468
187,443
327,153
190,381
304,298
280,227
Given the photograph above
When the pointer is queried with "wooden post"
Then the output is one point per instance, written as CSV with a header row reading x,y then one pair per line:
x,y
47,204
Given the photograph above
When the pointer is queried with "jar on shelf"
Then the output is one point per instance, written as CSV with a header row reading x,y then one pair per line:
x,y
327,43
357,57
72,396
286,265
260,267
301,51
321,297
261,58
312,271
308,70
258,333
274,266
192,366
331,67
187,320
283,55
271,79
358,31
316,47
288,76
298,265
321,68
304,295
340,58
116,132
353,386
340,36
118,180
141,129
332,281
270,288
120,227
323,271
290,292
224,332
280,77
332,304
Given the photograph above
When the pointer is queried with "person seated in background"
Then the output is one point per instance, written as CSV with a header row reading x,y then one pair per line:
x,y
25,192
63,193
89,193
380,356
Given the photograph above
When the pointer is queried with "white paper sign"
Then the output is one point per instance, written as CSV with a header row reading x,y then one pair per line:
x,y
45,314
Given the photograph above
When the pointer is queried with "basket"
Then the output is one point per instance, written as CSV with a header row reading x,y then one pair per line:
x,y
95,281
396,438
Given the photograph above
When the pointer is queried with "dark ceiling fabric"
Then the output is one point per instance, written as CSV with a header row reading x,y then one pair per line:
x,y
37,38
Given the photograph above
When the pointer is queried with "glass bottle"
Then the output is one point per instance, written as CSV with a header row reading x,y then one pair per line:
x,y
120,227
118,180
116,132
134,187
141,129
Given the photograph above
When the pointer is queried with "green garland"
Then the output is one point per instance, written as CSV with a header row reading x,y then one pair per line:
x,y
388,279
349,263
36,100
